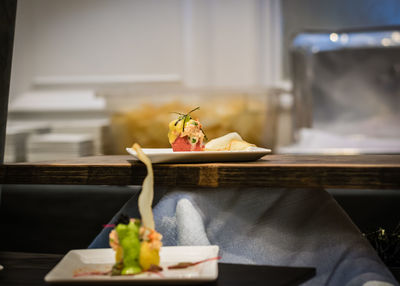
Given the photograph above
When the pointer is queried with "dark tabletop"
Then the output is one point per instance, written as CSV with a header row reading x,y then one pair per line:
x,y
30,269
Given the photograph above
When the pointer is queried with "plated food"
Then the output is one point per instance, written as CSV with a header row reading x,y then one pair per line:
x,y
136,247
180,264
136,254
136,242
187,139
186,134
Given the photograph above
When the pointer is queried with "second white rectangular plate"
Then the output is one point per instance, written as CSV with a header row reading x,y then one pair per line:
x,y
90,260
166,155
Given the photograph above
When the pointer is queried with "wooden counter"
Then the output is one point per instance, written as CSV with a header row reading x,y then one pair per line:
x,y
358,171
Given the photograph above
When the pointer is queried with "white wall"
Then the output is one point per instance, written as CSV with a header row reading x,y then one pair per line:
x,y
221,42
206,43
22,70
99,37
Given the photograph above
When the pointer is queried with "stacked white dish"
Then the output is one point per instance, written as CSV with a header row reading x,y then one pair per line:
x,y
55,146
76,112
16,138
94,128
15,146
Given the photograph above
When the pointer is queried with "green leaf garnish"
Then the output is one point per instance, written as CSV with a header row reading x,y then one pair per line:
x,y
185,117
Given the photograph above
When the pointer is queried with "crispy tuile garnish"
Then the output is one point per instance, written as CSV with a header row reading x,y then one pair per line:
x,y
146,195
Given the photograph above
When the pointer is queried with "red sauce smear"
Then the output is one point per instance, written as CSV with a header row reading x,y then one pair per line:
x,y
108,225
89,273
153,269
182,265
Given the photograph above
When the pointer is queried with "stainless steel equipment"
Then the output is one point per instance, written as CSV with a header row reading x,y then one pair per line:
x,y
346,88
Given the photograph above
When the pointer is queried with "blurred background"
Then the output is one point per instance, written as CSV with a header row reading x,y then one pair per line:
x,y
91,77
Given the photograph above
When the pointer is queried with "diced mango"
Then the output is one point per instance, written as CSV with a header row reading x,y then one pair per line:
x,y
148,256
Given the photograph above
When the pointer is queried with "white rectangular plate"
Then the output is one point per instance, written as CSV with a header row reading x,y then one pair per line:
x,y
88,260
166,155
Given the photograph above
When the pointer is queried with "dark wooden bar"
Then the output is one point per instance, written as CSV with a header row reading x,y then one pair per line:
x,y
291,171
